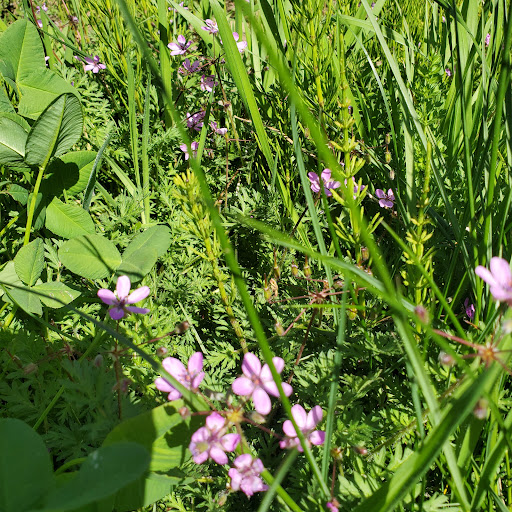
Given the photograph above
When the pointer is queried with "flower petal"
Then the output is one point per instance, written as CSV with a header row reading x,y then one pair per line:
x,y
116,313
175,367
314,417
197,380
251,365
215,422
138,295
500,269
195,363
163,385
230,441
380,193
484,274
173,395
317,437
326,175
242,386
288,429
107,296
243,461
261,401
218,455
288,390
300,416
139,311
123,287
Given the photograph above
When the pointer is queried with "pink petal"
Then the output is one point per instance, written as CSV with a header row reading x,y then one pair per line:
x,y
139,311
116,313
500,269
181,39
313,177
314,417
326,174
251,365
391,196
197,380
199,458
484,274
175,367
500,294
163,385
215,422
236,479
123,287
199,436
243,461
107,297
300,416
380,193
317,437
174,394
137,295
218,455
257,466
288,429
242,386
235,36
271,388
278,363
230,441
261,401
288,390
195,363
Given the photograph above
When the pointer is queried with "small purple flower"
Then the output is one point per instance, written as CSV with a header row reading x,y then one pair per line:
x,y
499,279
385,199
194,145
40,23
218,131
307,424
43,7
326,179
245,476
211,441
180,5
242,45
211,26
469,308
208,82
93,64
190,377
122,297
487,40
443,19
448,72
258,382
332,507
195,121
181,47
188,68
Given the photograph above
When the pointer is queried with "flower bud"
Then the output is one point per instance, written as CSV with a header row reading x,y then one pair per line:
x,y
30,368
480,410
446,359
184,412
306,269
387,139
360,450
223,496
257,417
161,351
267,292
181,327
336,453
352,313
387,157
98,361
422,314
124,385
365,253
295,269
279,329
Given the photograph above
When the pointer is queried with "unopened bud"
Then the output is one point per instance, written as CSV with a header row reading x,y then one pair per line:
x,y
387,157
367,158
352,313
279,329
365,253
387,139
30,368
223,497
307,268
480,410
446,359
184,412
360,450
257,417
295,269
98,361
161,351
181,327
338,284
422,314
336,453
267,292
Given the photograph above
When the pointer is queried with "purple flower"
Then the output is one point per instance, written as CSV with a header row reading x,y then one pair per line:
x,y
242,45
245,476
122,297
211,441
448,72
40,23
326,179
194,145
208,83
499,279
306,423
218,131
93,64
43,7
211,26
487,39
190,377
469,308
180,5
385,199
195,121
189,68
332,507
181,47
258,382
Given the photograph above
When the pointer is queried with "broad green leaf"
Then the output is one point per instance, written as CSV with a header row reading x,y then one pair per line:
x,y
25,467
18,193
26,300
55,131
103,473
56,290
39,89
164,433
68,220
8,276
68,173
29,262
138,264
90,256
5,104
157,237
21,50
13,138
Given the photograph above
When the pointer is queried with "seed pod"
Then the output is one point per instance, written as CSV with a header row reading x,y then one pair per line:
x,y
306,269
422,314
161,351
184,412
480,410
387,157
279,329
295,269
181,327
446,359
30,368
365,253
387,139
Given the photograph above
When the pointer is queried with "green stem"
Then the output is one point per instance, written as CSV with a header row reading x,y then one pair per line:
x,y
70,464
33,201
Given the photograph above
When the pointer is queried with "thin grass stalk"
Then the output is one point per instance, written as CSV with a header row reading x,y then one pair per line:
x,y
163,51
145,156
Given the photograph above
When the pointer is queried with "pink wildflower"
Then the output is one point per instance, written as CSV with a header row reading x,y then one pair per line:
x,y
190,377
242,45
122,297
245,476
385,199
332,506
194,145
208,83
357,189
189,68
211,441
448,72
195,121
258,382
211,26
218,131
326,179
487,39
306,423
499,279
181,47
93,64
469,308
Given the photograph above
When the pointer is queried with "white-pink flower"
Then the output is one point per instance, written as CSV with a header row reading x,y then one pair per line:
x,y
195,121
385,199
328,184
499,279
257,382
180,47
218,131
307,424
211,26
93,64
189,68
245,476
242,45
122,297
211,441
190,377
194,145
208,83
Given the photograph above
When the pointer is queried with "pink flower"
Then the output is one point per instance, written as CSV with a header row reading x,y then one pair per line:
x,y
208,83
499,279
469,308
306,423
180,47
189,68
195,121
40,23
487,39
332,507
326,179
93,64
43,7
245,476
218,131
357,189
194,145
190,377
211,26
211,441
448,72
259,383
242,45
122,297
385,199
